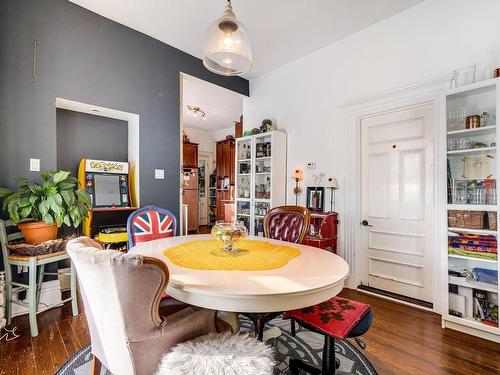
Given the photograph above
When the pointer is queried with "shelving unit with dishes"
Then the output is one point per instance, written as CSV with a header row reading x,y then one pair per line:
x,y
471,259
260,177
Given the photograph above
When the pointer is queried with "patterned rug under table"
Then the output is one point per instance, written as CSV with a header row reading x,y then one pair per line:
x,y
305,345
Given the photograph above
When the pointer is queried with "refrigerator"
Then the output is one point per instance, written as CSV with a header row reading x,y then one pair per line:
x,y
190,197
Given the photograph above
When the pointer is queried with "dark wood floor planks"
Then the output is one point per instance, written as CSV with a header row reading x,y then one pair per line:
x,y
402,340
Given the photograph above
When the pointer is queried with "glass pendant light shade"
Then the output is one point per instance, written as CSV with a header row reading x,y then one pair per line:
x,y
227,48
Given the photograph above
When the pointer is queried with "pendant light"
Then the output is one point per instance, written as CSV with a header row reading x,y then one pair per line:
x,y
227,48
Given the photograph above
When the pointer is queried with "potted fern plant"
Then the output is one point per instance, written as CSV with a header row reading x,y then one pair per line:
x,y
40,208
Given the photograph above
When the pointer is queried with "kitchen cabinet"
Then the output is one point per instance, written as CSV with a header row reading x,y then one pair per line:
x,y
190,197
225,168
190,155
223,197
225,158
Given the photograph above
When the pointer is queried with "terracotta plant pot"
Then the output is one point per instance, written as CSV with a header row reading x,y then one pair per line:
x,y
36,232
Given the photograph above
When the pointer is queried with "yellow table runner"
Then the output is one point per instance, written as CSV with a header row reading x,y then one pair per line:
x,y
259,256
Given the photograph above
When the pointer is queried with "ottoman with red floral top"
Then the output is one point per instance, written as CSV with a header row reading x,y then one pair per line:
x,y
335,318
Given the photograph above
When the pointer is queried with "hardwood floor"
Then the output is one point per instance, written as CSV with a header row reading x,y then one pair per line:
x,y
402,340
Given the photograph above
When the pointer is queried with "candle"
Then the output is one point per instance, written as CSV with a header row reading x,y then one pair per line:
x,y
298,175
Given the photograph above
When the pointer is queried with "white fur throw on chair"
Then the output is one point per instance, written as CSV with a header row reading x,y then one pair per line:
x,y
219,354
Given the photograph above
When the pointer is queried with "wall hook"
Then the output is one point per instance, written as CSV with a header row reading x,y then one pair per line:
x,y
34,77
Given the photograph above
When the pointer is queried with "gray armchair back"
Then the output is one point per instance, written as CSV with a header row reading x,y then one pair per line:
x,y
121,295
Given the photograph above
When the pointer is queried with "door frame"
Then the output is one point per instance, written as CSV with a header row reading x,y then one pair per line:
x,y
411,96
209,156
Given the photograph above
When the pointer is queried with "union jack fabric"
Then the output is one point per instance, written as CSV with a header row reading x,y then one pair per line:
x,y
152,225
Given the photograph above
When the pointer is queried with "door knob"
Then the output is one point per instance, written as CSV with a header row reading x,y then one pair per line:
x,y
366,224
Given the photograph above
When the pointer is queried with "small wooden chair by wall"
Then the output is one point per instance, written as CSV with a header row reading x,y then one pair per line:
x,y
34,286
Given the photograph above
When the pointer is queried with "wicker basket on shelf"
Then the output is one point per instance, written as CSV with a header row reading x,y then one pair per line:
x,y
492,220
47,247
467,219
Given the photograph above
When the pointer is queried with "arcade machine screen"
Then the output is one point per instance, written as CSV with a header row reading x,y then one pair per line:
x,y
107,190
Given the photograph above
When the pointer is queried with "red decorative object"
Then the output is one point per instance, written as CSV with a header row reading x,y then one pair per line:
x,y
323,231
335,317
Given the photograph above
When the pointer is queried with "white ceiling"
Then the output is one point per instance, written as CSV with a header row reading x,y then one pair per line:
x,y
222,106
280,30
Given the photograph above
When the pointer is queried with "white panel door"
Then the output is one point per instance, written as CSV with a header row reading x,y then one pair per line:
x,y
397,202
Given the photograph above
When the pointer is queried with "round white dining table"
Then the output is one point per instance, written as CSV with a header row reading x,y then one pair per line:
x,y
314,276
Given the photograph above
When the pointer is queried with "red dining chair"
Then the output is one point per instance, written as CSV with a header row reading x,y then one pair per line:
x,y
284,223
153,223
287,223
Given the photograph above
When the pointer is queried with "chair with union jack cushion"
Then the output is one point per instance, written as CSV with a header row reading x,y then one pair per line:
x,y
150,223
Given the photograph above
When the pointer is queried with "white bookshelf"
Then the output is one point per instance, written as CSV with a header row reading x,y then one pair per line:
x,y
479,150
257,170
476,98
489,129
472,231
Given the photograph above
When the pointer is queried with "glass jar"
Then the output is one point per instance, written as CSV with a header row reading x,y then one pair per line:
x,y
228,233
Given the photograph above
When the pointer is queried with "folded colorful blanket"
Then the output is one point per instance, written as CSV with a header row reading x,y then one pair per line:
x,y
472,254
475,239
477,248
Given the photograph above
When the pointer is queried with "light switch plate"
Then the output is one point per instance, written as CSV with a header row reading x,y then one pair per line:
x,y
34,165
159,174
311,165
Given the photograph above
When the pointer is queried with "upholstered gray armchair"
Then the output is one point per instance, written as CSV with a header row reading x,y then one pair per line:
x,y
121,295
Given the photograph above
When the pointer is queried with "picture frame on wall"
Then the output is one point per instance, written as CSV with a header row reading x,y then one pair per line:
x,y
315,198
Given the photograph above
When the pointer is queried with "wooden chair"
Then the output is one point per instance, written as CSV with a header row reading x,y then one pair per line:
x,y
34,264
121,294
285,223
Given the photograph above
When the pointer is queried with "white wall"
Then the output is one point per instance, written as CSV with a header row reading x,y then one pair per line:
x,y
305,97
205,140
221,134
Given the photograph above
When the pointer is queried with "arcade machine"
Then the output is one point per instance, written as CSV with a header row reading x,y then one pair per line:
x,y
108,183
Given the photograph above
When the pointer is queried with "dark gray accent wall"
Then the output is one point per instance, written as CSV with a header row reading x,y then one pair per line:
x,y
87,58
84,136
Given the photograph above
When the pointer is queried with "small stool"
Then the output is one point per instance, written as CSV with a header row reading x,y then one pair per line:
x,y
116,240
336,318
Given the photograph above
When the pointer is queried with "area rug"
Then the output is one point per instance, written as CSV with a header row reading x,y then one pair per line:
x,y
305,345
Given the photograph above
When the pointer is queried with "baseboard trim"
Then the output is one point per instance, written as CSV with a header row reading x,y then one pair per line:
x,y
471,331
421,305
